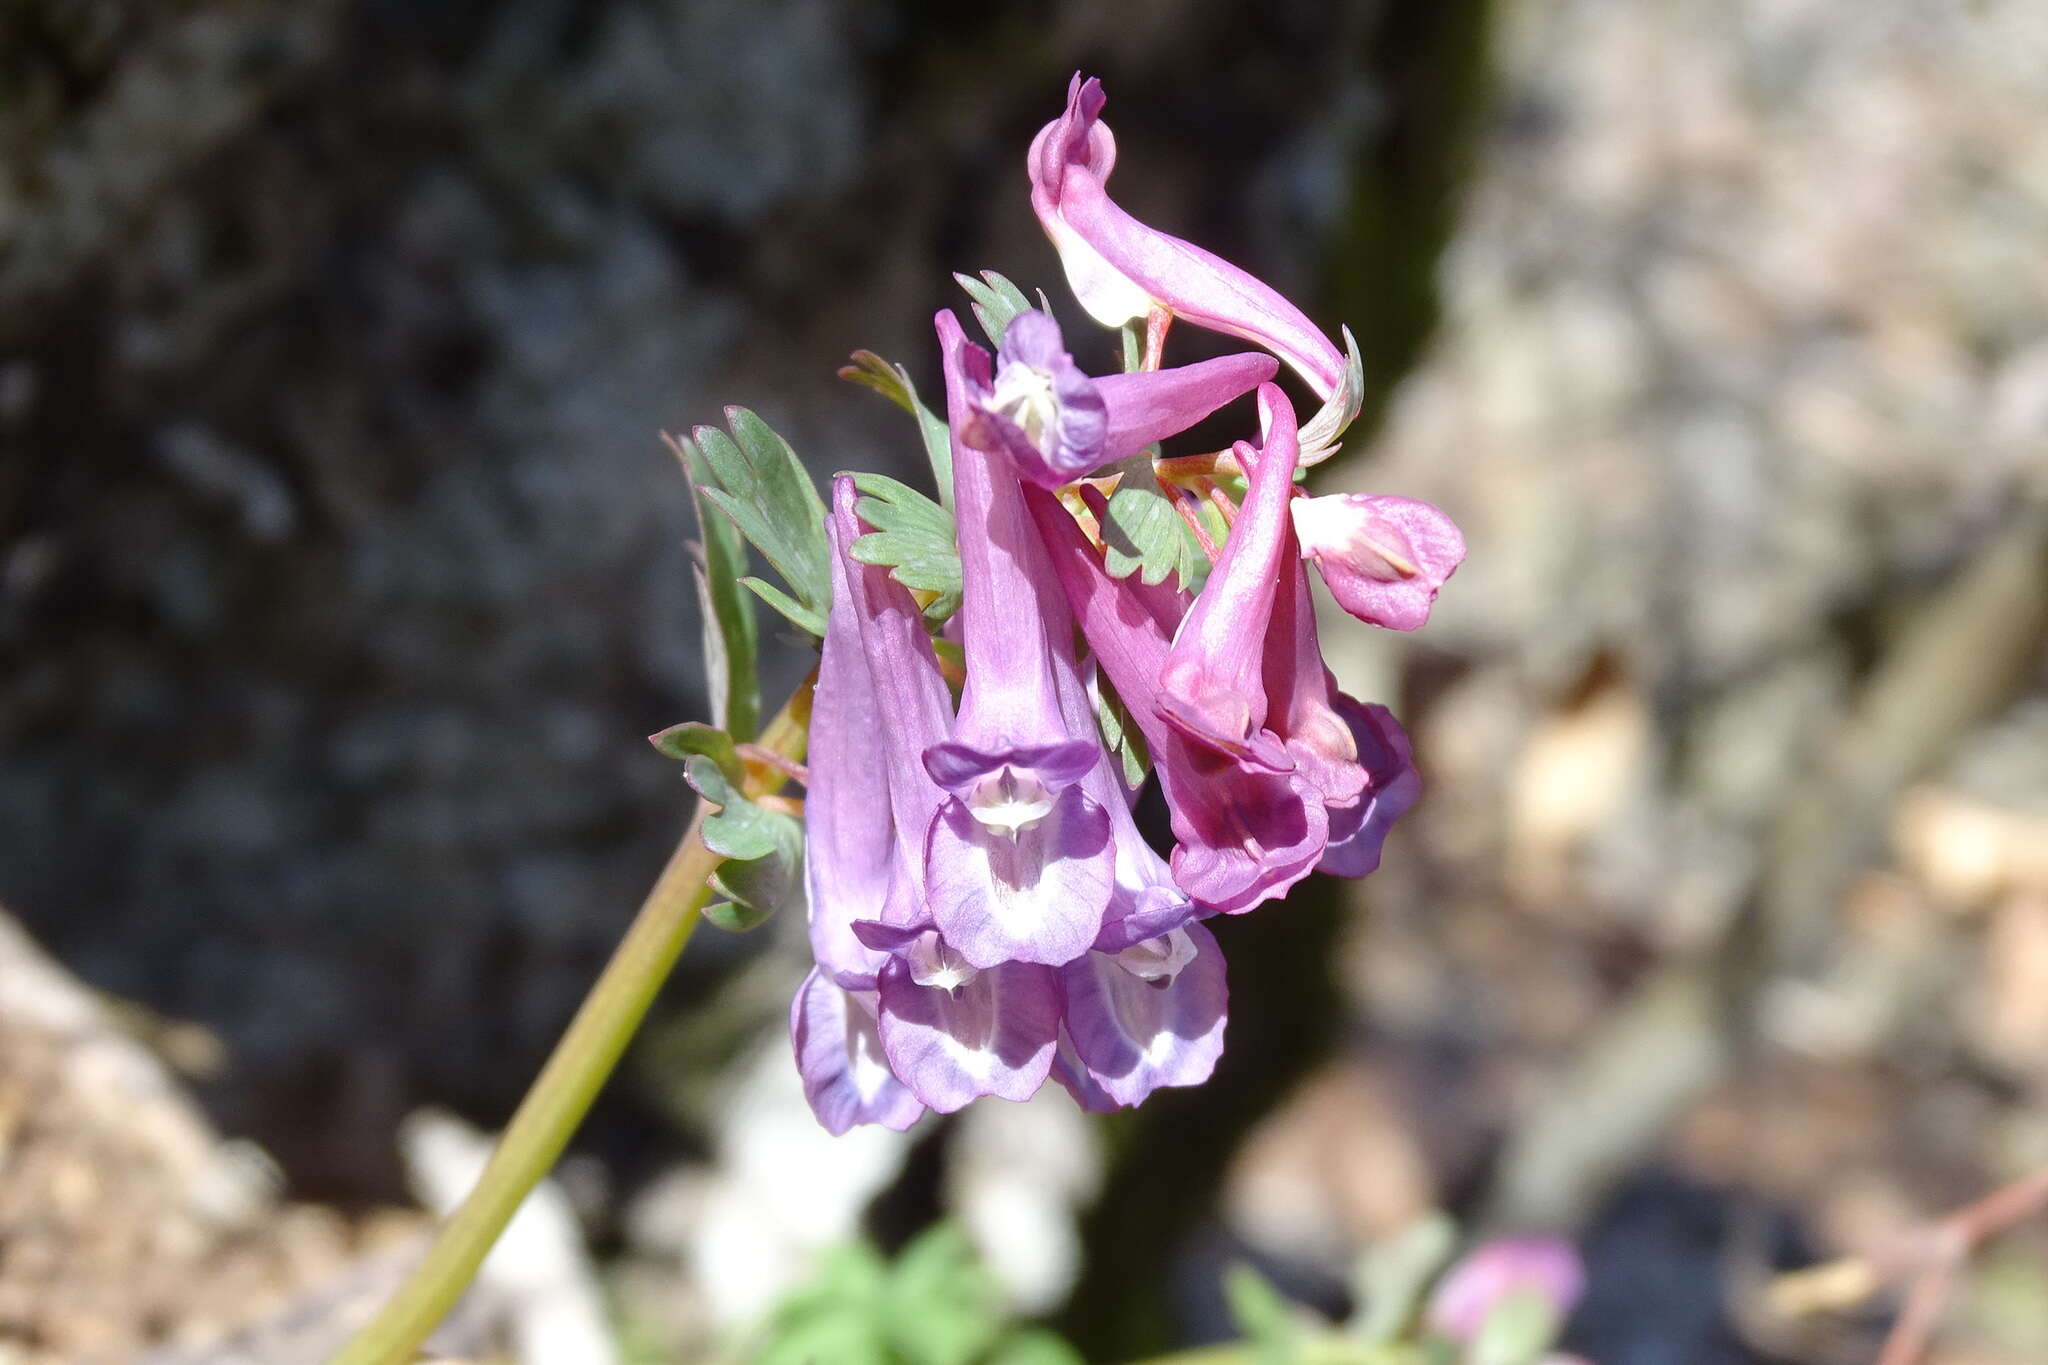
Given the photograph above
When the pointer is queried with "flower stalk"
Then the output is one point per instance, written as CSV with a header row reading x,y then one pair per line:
x,y
581,1063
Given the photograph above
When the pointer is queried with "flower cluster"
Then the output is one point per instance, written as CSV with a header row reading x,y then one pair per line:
x,y
983,910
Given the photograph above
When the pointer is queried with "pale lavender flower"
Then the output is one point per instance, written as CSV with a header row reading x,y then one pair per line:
x,y
1019,863
1148,1015
1543,1267
850,856
846,1076
1383,558
1121,269
1056,424
954,1032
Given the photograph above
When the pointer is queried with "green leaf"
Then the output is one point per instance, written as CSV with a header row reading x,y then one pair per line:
x,y
945,1308
731,636
757,888
1518,1331
913,538
764,491
1143,534
893,383
802,617
1393,1275
1035,1346
694,737
1120,735
995,301
1262,1315
739,828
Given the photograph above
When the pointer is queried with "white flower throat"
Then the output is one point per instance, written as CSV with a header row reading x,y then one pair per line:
x,y
1024,395
1010,801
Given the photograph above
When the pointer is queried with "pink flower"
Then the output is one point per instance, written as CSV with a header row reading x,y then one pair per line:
x,y
1121,269
1384,559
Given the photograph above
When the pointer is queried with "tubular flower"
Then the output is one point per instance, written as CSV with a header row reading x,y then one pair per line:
x,y
1056,424
1245,829
1384,559
1018,864
948,1031
1120,269
984,911
850,840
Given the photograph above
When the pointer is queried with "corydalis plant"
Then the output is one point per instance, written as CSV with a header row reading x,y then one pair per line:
x,y
1005,666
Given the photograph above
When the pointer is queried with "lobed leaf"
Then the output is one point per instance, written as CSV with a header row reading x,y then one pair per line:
x,y
1143,534
914,538
693,737
765,492
731,636
995,301
757,888
893,383
1120,735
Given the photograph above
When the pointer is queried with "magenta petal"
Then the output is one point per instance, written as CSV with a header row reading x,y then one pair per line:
x,y
1301,689
1197,285
1151,405
1358,832
1383,558
1037,895
839,1055
1245,835
992,1036
1212,686
1135,1035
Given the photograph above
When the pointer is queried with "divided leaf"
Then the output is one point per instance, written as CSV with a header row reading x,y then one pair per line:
x,y
995,301
755,889
893,383
914,538
765,492
1393,1276
1262,1315
1143,534
693,737
1120,735
763,848
731,639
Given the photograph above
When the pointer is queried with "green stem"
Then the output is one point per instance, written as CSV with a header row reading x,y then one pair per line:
x,y
579,1067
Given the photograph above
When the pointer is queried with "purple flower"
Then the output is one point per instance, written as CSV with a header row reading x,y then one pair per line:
x,y
1542,1267
1383,558
1146,1006
850,857
1120,269
846,1077
954,1032
1018,864
1358,831
1056,424
1147,1015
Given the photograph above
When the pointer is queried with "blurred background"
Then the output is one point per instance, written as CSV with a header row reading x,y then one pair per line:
x,y
342,570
